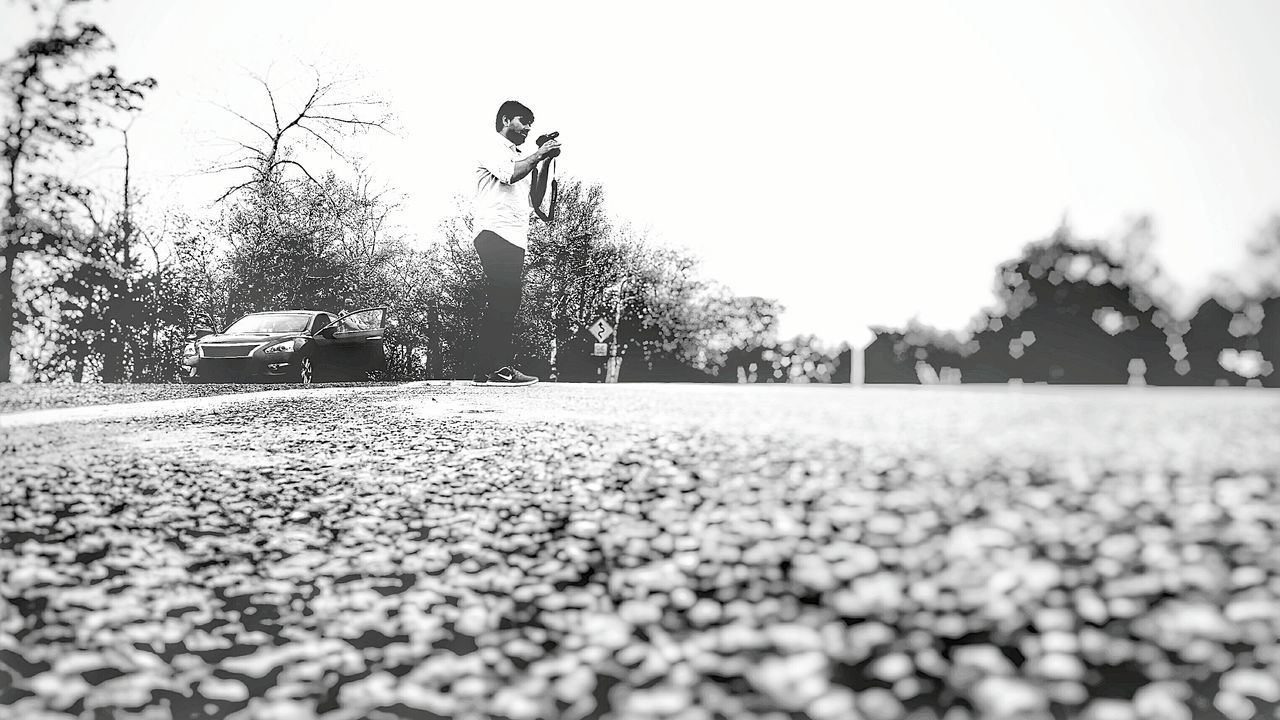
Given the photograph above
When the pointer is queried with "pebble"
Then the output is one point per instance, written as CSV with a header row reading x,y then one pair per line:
x,y
473,621
1235,706
885,524
1252,683
1068,693
1009,697
578,683
814,572
584,529
662,700
794,637
791,682
1110,709
1248,576
1061,666
892,667
987,658
640,612
516,705
1055,619
1163,701
1060,642
683,598
705,612
880,704
837,703
1091,607
230,690
907,688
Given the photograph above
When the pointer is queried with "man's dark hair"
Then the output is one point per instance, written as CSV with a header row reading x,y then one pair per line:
x,y
512,109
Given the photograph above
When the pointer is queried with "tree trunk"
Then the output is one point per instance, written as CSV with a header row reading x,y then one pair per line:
x,y
613,369
555,346
7,313
10,236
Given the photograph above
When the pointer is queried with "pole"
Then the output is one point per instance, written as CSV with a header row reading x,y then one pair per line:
x,y
614,364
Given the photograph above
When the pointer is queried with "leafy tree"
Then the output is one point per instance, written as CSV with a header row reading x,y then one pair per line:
x,y
1072,314
670,324
747,326
111,310
1209,333
1066,312
891,358
665,317
1264,261
440,301
571,266
1269,341
307,246
297,237
55,97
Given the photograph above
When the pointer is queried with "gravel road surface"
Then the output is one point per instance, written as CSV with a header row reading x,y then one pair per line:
x,y
662,551
35,396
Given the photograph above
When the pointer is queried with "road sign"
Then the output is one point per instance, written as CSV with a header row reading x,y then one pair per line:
x,y
601,330
600,349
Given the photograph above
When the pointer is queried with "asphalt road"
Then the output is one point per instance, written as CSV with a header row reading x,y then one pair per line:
x,y
437,550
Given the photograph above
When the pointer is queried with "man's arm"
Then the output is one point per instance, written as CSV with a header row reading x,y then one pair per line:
x,y
524,166
509,171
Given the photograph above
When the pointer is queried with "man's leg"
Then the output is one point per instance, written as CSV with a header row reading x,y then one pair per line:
x,y
503,270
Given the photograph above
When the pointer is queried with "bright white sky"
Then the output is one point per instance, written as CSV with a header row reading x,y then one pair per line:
x,y
863,162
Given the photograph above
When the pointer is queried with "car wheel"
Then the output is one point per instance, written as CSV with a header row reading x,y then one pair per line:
x,y
306,371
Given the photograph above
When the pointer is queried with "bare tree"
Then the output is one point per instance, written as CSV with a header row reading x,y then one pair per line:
x,y
324,117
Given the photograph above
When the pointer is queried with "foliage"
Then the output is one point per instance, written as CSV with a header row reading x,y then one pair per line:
x,y
55,97
573,271
1070,311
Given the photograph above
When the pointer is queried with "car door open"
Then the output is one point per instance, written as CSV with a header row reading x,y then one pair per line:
x,y
352,345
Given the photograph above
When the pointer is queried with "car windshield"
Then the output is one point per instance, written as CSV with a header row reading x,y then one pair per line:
x,y
270,323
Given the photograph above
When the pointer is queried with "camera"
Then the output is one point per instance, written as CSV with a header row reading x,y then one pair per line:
x,y
542,140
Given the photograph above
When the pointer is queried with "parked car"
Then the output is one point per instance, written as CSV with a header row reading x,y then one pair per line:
x,y
304,346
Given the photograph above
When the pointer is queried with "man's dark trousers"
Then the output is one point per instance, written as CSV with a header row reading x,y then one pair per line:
x,y
503,266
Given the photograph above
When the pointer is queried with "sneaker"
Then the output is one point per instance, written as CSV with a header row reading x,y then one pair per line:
x,y
509,377
479,379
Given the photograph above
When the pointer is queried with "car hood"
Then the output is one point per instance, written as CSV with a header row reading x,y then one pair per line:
x,y
248,338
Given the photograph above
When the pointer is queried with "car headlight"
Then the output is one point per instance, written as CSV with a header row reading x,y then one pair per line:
x,y
285,346
189,350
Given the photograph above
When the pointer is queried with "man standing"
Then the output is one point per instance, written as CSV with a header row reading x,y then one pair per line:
x,y
502,207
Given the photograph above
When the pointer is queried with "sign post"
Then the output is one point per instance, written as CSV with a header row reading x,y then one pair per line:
x,y
601,330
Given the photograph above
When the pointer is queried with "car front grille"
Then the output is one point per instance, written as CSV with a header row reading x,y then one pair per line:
x,y
226,351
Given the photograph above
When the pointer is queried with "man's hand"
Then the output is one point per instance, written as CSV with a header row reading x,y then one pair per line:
x,y
526,163
547,148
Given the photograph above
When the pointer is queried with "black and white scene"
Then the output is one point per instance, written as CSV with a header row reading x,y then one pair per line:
x,y
852,360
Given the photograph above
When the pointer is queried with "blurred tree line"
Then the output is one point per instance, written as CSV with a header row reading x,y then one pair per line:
x,y
1070,311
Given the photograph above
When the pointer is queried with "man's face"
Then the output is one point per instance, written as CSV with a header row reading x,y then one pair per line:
x,y
516,129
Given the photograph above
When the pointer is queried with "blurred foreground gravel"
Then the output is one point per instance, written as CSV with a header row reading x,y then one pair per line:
x,y
649,552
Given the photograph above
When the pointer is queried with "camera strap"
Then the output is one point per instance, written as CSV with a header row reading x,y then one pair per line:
x,y
544,203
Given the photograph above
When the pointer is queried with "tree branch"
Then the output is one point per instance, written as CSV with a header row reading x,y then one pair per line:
x,y
254,124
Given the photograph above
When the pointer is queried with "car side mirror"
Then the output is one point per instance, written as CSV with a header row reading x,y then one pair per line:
x,y
328,332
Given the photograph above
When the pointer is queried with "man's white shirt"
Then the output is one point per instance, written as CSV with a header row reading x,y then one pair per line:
x,y
502,206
